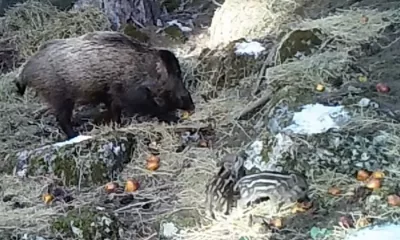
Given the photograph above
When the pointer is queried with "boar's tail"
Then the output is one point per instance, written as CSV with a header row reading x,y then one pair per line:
x,y
20,88
20,83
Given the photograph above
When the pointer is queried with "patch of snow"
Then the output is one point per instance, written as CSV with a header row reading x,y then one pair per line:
x,y
179,25
117,150
169,230
282,145
387,232
249,48
317,118
77,139
364,102
300,55
77,232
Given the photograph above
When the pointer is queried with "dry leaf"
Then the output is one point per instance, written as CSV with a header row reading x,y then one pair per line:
x,y
334,191
378,175
277,223
373,183
203,143
47,198
362,222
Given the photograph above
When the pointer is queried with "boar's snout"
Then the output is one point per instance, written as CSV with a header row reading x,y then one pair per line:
x,y
186,103
183,99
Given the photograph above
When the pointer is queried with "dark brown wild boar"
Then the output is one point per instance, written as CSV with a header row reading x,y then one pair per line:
x,y
109,69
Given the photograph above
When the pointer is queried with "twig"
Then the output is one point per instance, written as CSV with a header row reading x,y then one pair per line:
x,y
217,3
264,99
269,61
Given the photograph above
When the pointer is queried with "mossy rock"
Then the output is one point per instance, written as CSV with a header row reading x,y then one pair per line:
x,y
135,33
177,221
175,33
20,236
88,224
91,162
225,68
304,41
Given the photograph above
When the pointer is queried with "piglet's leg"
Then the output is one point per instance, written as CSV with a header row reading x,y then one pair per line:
x,y
63,112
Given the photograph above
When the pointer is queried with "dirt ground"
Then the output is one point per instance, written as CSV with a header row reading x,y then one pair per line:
x,y
180,181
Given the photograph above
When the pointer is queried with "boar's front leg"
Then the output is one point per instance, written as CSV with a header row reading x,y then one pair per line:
x,y
168,117
63,112
114,110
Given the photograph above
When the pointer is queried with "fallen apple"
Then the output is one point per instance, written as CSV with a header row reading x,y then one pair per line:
x,y
131,185
382,88
111,187
362,175
393,200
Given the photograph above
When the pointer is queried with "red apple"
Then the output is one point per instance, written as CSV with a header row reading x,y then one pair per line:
x,y
382,88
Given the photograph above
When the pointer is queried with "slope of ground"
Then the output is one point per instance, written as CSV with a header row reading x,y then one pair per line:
x,y
353,48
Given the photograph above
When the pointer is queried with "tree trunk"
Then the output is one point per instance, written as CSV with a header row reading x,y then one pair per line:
x,y
119,12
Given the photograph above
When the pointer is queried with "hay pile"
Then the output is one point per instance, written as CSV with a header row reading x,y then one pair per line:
x,y
237,19
27,25
175,192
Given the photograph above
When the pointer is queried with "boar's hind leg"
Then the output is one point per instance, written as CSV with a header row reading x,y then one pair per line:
x,y
63,113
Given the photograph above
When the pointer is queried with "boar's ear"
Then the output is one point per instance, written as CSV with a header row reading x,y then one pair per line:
x,y
171,63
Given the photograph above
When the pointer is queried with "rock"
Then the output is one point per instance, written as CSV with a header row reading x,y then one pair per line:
x,y
298,41
175,33
88,223
86,163
132,31
226,67
171,225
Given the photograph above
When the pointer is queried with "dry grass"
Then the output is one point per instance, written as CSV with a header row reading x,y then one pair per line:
x,y
302,75
179,184
347,26
31,23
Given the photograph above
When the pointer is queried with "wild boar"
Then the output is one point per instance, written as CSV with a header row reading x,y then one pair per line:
x,y
108,68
